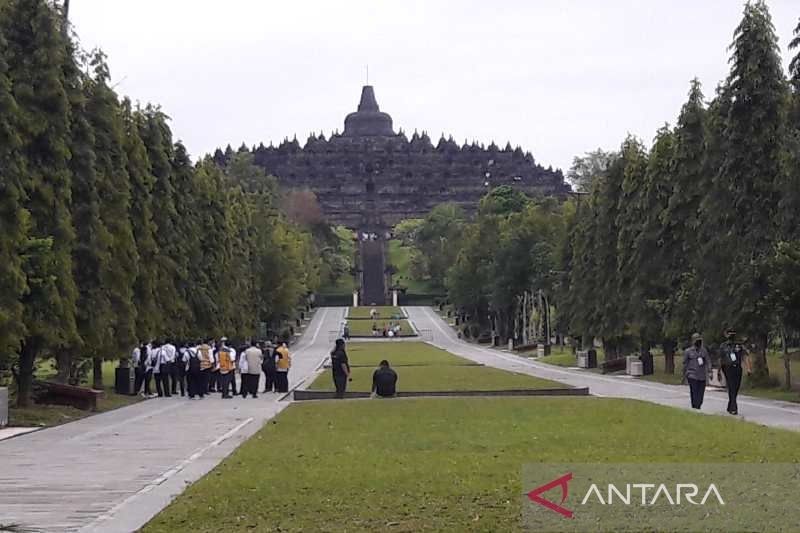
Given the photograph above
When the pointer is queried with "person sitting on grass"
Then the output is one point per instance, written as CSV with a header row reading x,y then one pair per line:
x,y
384,381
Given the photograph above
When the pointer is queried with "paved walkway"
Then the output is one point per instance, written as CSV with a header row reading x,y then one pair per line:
x,y
761,411
114,471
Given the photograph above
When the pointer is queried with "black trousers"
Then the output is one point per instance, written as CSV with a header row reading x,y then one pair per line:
x,y
142,377
282,381
269,380
250,384
733,380
194,382
162,382
340,382
225,383
697,389
213,381
179,378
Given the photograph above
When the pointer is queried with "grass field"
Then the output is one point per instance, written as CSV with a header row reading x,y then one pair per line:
x,y
422,367
440,464
384,311
53,415
363,328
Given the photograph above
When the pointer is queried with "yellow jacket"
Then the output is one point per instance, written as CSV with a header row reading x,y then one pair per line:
x,y
284,359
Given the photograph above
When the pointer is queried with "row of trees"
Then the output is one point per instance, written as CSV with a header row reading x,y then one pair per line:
x,y
700,232
110,234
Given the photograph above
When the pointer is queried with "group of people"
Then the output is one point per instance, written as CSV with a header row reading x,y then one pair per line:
x,y
389,330
734,361
384,378
210,366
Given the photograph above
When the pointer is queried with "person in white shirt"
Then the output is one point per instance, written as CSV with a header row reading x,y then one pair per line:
x,y
160,370
170,353
250,367
180,368
142,370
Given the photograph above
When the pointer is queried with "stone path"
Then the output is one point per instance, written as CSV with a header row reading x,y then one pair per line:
x,y
761,411
114,471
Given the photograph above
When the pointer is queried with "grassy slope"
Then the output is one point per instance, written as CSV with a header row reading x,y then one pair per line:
x,y
52,415
439,464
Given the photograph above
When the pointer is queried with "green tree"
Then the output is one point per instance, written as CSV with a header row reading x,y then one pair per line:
x,y
119,273
38,57
746,188
587,168
13,217
143,227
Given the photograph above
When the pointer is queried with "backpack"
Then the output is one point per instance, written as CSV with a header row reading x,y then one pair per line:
x,y
194,361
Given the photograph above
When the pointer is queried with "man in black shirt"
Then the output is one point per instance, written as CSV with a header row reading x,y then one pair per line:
x,y
384,380
732,356
340,366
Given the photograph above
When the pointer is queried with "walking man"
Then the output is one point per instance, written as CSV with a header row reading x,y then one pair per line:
x,y
250,375
340,366
142,372
170,367
696,368
194,373
732,355
160,371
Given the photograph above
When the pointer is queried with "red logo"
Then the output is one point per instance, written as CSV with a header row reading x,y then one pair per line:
x,y
562,482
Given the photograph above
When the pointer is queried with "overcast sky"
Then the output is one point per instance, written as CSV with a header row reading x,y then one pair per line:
x,y
558,77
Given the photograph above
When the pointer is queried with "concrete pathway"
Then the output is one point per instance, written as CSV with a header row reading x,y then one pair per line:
x,y
761,411
114,471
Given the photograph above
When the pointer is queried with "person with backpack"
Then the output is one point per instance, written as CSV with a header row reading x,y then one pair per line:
x,y
142,371
181,368
161,370
194,377
268,367
283,364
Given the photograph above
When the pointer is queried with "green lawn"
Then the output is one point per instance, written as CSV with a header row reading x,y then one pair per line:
x,y
400,258
399,354
384,311
363,328
440,464
422,367
53,415
442,378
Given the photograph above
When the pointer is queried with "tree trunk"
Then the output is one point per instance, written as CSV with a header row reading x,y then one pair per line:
x,y
760,375
63,365
97,373
787,363
669,356
27,360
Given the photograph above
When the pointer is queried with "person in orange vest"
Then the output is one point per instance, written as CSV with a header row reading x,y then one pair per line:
x,y
283,364
226,364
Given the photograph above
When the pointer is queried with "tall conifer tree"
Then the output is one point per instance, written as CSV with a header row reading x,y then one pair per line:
x,y
38,56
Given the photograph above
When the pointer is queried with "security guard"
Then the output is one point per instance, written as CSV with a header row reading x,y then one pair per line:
x,y
732,356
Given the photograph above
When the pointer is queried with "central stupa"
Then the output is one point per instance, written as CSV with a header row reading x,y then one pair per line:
x,y
368,121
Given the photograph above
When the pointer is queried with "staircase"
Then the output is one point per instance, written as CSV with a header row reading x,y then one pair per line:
x,y
373,264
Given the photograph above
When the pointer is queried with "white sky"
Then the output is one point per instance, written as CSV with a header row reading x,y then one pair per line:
x,y
558,77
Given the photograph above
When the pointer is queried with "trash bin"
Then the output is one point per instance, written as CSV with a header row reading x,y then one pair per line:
x,y
636,368
583,359
647,363
592,358
123,380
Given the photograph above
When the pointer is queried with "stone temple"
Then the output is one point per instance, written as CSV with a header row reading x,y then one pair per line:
x,y
371,177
